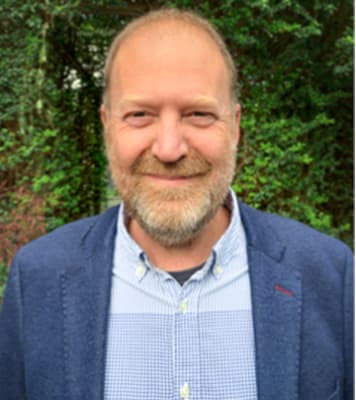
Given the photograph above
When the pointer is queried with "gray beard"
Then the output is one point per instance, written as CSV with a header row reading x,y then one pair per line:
x,y
175,234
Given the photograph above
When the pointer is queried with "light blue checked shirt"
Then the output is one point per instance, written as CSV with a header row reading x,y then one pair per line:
x,y
173,342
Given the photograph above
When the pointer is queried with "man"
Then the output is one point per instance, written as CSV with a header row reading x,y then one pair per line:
x,y
182,292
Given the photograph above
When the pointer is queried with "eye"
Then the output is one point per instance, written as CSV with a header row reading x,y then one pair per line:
x,y
138,118
138,114
200,118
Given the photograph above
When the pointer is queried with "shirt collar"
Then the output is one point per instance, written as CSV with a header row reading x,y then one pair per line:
x,y
231,244
233,241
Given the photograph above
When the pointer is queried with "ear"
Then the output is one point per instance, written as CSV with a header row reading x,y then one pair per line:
x,y
104,116
237,119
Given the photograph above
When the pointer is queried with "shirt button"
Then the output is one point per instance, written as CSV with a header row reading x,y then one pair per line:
x,y
218,270
184,391
140,270
183,306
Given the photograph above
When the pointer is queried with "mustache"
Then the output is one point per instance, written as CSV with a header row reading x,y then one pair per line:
x,y
191,164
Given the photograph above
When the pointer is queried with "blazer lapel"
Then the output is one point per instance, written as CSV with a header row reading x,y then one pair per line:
x,y
276,292
276,304
85,288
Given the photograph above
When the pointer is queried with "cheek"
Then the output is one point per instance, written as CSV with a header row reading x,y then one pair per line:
x,y
216,150
124,148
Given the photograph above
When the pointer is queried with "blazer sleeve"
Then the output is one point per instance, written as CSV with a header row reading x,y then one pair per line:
x,y
349,326
12,384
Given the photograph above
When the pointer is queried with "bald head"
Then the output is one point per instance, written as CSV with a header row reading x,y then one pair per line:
x,y
167,23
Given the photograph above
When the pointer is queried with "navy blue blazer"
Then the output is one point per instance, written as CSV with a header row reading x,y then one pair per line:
x,y
53,323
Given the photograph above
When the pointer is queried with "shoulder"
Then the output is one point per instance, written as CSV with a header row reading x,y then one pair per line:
x,y
66,244
301,244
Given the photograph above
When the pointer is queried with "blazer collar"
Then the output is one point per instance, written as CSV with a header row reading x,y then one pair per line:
x,y
85,290
276,303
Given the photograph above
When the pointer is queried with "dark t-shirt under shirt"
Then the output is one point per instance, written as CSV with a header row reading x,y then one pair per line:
x,y
183,276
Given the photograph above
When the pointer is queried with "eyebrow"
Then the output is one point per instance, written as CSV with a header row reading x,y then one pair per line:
x,y
132,100
204,101
198,100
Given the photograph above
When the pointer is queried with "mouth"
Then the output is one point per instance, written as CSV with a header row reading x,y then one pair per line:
x,y
171,180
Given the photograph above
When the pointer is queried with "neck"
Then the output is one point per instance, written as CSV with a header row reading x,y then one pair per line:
x,y
183,257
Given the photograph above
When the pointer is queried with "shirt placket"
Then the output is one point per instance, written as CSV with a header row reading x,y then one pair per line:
x,y
186,343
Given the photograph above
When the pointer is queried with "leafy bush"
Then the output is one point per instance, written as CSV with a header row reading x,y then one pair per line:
x,y
295,63
23,221
3,277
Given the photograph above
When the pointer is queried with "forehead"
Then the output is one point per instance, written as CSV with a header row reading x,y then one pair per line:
x,y
167,40
167,32
169,49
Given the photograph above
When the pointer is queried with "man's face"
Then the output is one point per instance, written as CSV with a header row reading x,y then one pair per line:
x,y
171,130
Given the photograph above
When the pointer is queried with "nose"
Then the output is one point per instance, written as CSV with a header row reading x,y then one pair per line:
x,y
170,144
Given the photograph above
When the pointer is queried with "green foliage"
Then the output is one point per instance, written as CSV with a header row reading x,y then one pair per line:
x,y
51,137
3,277
295,63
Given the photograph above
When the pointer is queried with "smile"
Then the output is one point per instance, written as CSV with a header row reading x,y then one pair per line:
x,y
171,180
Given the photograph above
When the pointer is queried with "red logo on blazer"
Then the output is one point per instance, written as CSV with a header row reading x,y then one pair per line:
x,y
282,290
